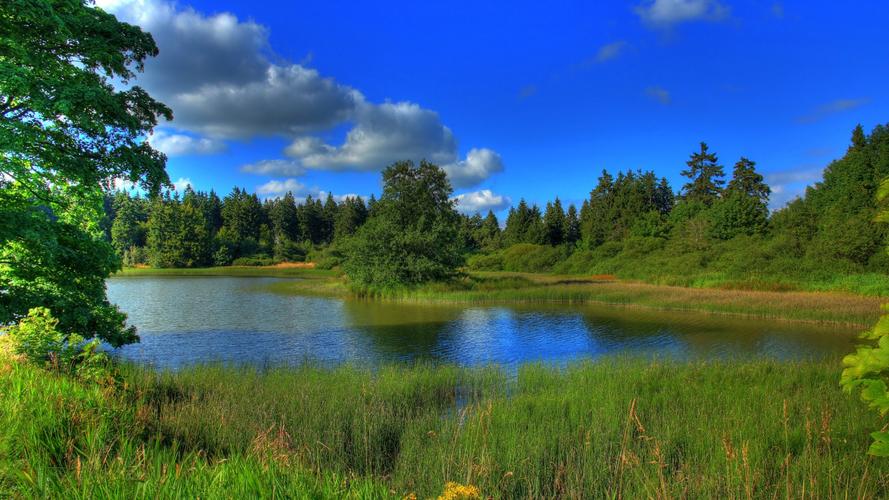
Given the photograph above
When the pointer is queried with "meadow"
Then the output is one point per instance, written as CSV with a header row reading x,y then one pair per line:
x,y
619,427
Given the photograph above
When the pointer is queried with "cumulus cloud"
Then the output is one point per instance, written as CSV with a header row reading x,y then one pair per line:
x,y
182,183
610,51
659,94
182,145
831,108
223,81
277,188
666,13
479,165
275,168
481,201
383,134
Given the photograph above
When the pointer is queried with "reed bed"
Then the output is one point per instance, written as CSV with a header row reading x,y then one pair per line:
x,y
499,288
619,427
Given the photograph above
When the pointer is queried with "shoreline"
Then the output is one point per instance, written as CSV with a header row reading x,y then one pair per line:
x,y
837,308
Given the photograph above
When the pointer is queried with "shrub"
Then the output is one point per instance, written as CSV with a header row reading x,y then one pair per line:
x,y
530,258
37,338
483,262
254,260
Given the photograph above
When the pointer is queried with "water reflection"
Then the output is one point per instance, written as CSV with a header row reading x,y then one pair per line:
x,y
189,320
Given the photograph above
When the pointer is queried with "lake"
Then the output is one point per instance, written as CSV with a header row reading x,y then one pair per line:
x,y
187,320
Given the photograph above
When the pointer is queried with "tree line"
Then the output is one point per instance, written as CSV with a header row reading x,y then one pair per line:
x,y
634,211
197,228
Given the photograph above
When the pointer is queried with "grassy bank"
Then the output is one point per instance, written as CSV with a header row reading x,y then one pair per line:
x,y
505,287
492,288
246,271
619,427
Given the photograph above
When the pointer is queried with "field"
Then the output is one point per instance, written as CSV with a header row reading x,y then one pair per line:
x,y
619,427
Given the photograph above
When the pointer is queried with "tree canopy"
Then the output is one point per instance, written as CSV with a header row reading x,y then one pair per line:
x,y
67,129
411,235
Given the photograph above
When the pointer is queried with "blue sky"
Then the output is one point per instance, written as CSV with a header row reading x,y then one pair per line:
x,y
516,99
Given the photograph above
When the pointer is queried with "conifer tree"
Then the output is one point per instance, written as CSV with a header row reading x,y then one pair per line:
x,y
705,176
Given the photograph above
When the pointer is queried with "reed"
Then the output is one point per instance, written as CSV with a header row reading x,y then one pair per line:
x,y
619,427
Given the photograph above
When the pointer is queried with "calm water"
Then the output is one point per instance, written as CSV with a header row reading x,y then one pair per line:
x,y
194,319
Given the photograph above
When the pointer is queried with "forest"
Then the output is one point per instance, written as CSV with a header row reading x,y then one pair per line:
x,y
715,230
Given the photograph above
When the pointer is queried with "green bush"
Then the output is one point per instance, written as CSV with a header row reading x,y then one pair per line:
x,y
530,258
485,262
255,260
37,338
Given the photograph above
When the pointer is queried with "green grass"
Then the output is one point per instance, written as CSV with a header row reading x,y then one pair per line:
x,y
617,427
500,287
247,271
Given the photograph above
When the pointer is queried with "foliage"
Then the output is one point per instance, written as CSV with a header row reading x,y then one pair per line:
x,y
623,427
68,128
37,338
868,368
411,234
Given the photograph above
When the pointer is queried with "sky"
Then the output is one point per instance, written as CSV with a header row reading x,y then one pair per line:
x,y
515,99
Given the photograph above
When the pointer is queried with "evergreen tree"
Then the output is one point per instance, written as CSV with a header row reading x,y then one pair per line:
x,y
554,223
127,230
412,235
328,214
284,219
490,237
572,226
705,177
596,221
748,182
351,214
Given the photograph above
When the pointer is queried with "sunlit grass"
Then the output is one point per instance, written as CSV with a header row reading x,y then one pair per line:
x,y
494,288
616,427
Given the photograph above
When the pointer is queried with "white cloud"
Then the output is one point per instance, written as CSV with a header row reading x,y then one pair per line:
x,y
665,13
610,51
660,94
831,108
481,201
182,145
479,165
275,168
276,188
383,134
223,81
182,183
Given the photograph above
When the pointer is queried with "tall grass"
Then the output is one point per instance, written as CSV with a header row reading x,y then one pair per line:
x,y
619,427
492,287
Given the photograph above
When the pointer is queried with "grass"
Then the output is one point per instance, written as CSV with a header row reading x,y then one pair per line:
x,y
614,428
823,302
246,271
500,287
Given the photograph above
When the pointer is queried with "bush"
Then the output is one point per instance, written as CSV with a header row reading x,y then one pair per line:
x,y
529,258
326,258
255,260
37,338
134,256
486,262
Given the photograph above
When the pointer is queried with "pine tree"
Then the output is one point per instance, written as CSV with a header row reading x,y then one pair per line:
x,y
554,223
748,182
595,218
572,226
705,177
490,233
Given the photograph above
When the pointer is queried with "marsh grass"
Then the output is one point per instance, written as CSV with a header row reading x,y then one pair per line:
x,y
620,427
247,271
499,288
